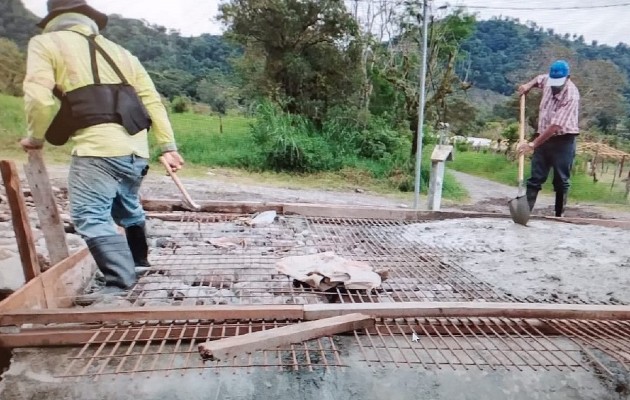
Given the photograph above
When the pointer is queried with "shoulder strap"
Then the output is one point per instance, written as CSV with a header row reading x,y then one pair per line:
x,y
94,47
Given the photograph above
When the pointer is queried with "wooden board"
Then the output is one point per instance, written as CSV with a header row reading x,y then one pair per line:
x,y
442,153
468,309
81,334
166,313
21,222
169,205
283,336
62,285
311,312
156,208
51,288
47,211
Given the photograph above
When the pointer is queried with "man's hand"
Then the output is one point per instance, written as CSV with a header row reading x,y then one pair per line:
x,y
523,89
524,148
174,160
31,144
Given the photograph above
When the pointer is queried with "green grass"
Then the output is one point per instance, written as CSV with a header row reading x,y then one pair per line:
x,y
200,141
203,145
497,168
13,128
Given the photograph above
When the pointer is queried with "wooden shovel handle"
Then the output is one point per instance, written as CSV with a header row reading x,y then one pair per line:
x,y
178,183
521,137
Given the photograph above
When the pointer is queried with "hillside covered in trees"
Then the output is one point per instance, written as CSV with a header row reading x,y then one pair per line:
x,y
330,82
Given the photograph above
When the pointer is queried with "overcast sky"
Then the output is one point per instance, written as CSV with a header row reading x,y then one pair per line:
x,y
193,17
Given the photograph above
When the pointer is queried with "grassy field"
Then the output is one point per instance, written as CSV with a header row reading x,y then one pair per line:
x,y
497,168
203,145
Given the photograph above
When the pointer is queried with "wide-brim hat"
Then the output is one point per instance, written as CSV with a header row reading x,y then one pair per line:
x,y
58,7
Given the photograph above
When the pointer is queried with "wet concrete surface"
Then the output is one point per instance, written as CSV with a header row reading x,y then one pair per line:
x,y
32,377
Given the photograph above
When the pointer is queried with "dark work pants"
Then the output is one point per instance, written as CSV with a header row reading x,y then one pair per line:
x,y
557,153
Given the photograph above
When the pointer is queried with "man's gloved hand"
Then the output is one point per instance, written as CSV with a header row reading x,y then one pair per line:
x,y
174,160
31,144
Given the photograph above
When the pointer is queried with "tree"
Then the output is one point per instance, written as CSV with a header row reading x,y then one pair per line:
x,y
311,60
12,68
16,22
511,134
399,65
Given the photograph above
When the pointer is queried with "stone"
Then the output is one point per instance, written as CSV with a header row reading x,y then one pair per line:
x,y
164,233
111,302
219,301
226,293
74,240
6,253
164,242
11,274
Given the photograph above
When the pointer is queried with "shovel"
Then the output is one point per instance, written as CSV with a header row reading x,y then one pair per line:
x,y
188,201
519,207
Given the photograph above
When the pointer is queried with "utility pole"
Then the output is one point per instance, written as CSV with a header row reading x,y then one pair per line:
x,y
423,76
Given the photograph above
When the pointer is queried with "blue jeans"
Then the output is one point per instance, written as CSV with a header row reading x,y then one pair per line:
x,y
557,153
104,191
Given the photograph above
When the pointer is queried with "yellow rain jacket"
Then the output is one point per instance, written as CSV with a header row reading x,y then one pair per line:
x,y
60,58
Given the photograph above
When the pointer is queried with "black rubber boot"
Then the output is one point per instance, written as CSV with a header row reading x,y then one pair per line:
x,y
114,260
561,203
531,195
137,241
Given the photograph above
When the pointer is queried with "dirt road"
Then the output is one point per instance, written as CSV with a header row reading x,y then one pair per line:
x,y
489,196
484,195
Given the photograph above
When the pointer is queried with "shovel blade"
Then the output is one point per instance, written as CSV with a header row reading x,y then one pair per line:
x,y
519,210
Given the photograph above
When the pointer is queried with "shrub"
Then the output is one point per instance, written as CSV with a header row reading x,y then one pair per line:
x,y
180,105
287,143
462,146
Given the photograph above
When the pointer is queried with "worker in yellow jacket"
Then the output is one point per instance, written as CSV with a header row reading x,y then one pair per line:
x,y
82,87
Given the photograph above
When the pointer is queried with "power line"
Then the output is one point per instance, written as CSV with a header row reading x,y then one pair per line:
x,y
549,8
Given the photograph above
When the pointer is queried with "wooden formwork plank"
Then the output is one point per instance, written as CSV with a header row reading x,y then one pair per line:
x,y
469,309
86,316
47,211
81,334
312,210
315,312
46,338
63,284
273,338
52,288
163,208
606,223
169,205
21,222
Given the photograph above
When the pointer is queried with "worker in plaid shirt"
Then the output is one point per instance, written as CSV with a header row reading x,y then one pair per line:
x,y
554,144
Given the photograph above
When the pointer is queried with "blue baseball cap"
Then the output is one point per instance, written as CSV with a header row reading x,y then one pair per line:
x,y
558,73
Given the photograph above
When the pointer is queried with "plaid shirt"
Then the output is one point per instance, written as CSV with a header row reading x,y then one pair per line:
x,y
561,109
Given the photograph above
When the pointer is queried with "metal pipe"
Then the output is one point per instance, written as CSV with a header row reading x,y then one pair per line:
x,y
420,134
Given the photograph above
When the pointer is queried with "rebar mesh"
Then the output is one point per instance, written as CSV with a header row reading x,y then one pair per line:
x,y
469,343
172,348
221,259
486,344
213,261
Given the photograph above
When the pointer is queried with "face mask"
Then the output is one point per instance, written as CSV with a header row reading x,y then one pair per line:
x,y
556,89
